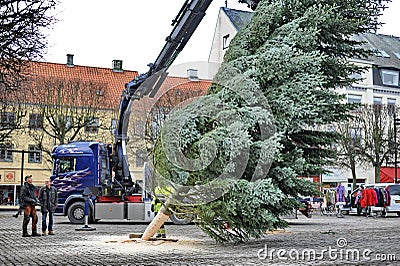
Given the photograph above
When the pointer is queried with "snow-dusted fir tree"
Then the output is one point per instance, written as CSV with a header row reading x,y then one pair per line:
x,y
231,159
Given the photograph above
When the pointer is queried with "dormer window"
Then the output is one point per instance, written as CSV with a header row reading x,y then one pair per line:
x,y
390,77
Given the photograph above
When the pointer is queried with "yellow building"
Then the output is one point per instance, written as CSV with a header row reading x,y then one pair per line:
x,y
55,96
81,92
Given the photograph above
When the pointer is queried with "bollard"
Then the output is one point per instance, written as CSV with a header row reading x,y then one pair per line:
x,y
86,193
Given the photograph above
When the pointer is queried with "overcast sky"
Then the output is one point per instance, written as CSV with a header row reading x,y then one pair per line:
x,y
99,31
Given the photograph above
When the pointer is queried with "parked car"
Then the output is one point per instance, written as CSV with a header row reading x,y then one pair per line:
x,y
394,191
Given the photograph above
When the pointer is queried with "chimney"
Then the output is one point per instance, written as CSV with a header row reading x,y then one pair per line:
x,y
117,66
70,60
192,75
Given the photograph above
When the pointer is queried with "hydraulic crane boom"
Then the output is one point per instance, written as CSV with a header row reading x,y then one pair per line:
x,y
185,23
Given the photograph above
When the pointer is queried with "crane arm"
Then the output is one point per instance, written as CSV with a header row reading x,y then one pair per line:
x,y
185,23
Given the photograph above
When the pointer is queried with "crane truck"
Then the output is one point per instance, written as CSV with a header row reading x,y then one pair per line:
x,y
103,168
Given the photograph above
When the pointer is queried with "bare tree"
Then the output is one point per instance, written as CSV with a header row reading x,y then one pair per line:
x,y
22,38
349,145
151,113
12,112
69,110
377,123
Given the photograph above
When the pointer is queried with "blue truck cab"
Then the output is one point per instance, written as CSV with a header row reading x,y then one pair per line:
x,y
83,164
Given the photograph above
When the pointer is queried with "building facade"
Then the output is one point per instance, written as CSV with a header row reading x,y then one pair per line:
x,y
56,98
51,100
378,84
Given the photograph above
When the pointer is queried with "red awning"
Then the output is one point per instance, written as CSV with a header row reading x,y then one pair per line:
x,y
387,174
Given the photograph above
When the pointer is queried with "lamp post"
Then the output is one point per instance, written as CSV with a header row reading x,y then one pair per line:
x,y
22,168
396,123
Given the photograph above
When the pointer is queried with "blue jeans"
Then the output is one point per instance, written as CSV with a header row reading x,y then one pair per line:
x,y
51,221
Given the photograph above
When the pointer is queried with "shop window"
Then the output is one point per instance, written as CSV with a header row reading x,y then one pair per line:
x,y
5,154
34,154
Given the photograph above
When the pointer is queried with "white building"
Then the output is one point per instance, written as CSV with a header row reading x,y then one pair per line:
x,y
379,84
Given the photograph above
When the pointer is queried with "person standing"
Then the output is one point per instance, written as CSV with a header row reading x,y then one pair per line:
x,y
340,193
48,196
29,200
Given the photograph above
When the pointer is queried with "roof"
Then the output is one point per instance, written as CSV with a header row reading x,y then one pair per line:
x,y
386,49
176,90
239,18
112,82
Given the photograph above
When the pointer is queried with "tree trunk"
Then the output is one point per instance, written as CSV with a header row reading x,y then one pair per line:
x,y
377,174
161,217
354,175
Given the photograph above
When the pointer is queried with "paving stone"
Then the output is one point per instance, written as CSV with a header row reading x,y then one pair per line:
x,y
110,244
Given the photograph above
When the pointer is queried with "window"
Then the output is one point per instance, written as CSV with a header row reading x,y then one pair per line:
x,y
356,76
355,136
34,154
390,77
64,165
113,125
35,121
64,122
99,92
353,98
225,42
8,119
391,105
377,100
377,104
92,126
397,55
5,153
141,158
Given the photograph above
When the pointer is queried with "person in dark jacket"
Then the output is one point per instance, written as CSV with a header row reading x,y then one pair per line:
x,y
29,200
48,197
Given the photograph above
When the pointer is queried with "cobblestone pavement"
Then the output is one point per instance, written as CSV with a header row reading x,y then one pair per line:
x,y
321,240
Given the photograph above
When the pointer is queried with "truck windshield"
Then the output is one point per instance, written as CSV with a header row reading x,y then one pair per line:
x,y
64,165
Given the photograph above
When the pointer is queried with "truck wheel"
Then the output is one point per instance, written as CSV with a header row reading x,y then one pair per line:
x,y
180,220
76,213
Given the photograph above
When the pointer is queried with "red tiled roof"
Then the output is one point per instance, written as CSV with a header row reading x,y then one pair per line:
x,y
113,81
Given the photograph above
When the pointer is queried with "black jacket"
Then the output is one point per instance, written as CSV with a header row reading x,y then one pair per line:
x,y
28,195
48,197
